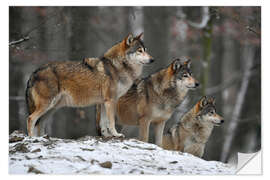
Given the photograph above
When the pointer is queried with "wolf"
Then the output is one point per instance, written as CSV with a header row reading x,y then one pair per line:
x,y
154,98
90,81
191,133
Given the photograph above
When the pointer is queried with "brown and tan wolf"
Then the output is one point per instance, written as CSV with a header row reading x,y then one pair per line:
x,y
91,81
191,133
154,99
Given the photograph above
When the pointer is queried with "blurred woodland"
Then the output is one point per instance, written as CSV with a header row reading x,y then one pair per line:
x,y
224,44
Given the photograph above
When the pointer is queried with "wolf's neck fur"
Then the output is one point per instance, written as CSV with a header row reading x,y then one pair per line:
x,y
116,52
190,122
181,89
189,118
117,56
168,89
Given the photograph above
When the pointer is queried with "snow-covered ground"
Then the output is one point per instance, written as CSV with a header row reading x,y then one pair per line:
x,y
94,155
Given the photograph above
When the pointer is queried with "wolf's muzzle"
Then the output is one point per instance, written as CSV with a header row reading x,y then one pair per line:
x,y
151,61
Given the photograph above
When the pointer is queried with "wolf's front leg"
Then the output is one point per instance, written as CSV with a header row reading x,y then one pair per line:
x,y
104,122
110,111
144,129
196,149
159,132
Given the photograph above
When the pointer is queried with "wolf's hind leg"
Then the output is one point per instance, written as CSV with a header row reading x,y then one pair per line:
x,y
32,120
43,107
40,128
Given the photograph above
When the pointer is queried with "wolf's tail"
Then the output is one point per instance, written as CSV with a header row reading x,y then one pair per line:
x,y
98,116
28,95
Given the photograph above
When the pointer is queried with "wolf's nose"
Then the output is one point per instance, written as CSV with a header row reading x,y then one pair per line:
x,y
222,121
197,84
152,60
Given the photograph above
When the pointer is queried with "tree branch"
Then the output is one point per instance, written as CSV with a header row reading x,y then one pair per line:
x,y
19,41
17,98
205,19
237,19
235,78
26,36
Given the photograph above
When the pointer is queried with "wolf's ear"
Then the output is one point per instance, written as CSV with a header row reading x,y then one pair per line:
x,y
129,39
139,36
187,63
212,100
176,65
203,101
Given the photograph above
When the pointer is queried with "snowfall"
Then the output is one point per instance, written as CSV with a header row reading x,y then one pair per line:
x,y
96,155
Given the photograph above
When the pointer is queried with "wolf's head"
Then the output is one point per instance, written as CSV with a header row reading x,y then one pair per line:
x,y
135,51
206,111
130,49
181,72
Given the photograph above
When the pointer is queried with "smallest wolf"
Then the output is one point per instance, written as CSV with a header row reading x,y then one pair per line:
x,y
191,133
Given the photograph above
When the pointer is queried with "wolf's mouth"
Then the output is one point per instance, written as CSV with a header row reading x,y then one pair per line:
x,y
196,84
148,62
191,87
217,124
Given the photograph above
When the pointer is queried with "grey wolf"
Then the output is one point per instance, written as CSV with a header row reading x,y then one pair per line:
x,y
88,82
154,99
191,133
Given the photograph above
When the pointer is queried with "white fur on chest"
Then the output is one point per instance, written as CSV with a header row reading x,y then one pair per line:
x,y
181,88
122,88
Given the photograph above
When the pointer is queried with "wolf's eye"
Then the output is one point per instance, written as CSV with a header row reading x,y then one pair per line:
x,y
185,75
211,112
140,50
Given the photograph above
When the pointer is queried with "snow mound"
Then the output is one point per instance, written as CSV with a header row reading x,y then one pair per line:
x,y
96,155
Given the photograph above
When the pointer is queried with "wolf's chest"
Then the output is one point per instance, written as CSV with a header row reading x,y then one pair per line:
x,y
123,86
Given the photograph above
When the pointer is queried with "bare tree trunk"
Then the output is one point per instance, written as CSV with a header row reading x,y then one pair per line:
x,y
14,72
156,37
214,145
207,47
231,129
136,20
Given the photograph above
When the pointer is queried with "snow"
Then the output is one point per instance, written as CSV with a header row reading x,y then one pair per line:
x,y
96,155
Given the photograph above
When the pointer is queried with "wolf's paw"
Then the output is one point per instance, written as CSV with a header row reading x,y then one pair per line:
x,y
119,135
105,132
116,134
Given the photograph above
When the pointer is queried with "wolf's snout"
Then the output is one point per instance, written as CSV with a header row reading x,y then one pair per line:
x,y
197,84
222,121
151,60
